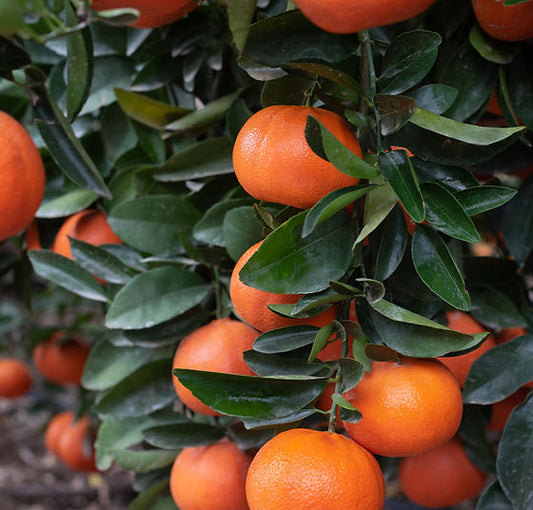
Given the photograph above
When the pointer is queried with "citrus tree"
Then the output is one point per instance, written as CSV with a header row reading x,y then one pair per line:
x,y
271,221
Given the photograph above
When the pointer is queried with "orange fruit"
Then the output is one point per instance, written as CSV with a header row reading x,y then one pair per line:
x,y
33,241
349,16
507,334
15,378
273,161
90,226
493,106
441,477
75,446
501,410
54,430
151,14
215,347
61,359
210,477
408,406
22,178
250,304
302,469
465,323
505,22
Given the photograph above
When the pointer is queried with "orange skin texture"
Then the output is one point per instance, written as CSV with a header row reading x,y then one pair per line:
x,y
250,304
274,163
59,361
501,410
408,407
215,347
22,178
15,378
90,226
505,22
441,477
152,14
465,323
73,443
210,477
349,16
300,469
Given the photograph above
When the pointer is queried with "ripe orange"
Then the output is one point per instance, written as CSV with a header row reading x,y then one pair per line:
x,y
349,16
300,469
505,22
465,323
408,406
22,178
250,304
501,410
54,431
151,14
507,334
210,477
61,359
441,477
33,241
75,446
215,347
90,226
15,378
273,161
493,106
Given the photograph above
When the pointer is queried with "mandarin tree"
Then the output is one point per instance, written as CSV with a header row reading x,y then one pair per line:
x,y
312,226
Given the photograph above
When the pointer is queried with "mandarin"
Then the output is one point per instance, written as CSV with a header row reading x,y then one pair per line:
x,y
15,378
505,22
75,446
54,431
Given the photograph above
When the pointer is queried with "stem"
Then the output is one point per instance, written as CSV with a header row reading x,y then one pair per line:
x,y
218,292
309,94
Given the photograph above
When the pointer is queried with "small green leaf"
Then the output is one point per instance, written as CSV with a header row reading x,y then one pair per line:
x,y
434,98
240,14
493,498
351,373
285,339
156,296
495,309
520,87
437,268
144,461
67,274
66,204
493,50
259,423
174,436
147,498
240,230
395,112
478,199
268,365
320,341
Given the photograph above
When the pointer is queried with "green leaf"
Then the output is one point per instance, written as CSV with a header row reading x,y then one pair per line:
x,y
478,199
412,334
395,112
148,111
182,435
494,309
351,373
285,339
468,133
240,15
66,204
259,423
320,341
408,59
445,213
144,391
331,74
205,117
454,178
156,296
515,456
331,204
493,498
320,257
292,38
203,159
399,172
437,268
249,396
147,497
434,98
67,274
109,364
500,371
288,89
240,230
493,50
100,262
144,461
153,223
520,87
274,365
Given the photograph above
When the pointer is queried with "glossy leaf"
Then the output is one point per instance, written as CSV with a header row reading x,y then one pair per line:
x,y
285,339
331,74
144,391
445,213
453,177
203,159
240,14
495,309
437,268
240,230
67,274
351,373
493,50
295,417
67,204
515,460
154,297
182,435
249,396
274,365
395,112
398,171
479,199
434,98
520,86
408,60
500,371
493,498
322,256
144,461
288,89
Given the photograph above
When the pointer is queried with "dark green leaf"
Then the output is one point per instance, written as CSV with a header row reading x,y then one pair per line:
x,y
156,296
288,89
437,268
270,364
351,373
434,98
399,172
182,435
240,14
147,497
493,498
520,86
330,73
285,339
240,230
67,274
494,309
253,397
144,461
493,50
296,417
321,339
452,177
500,371
408,59
478,199
12,53
66,204
395,112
